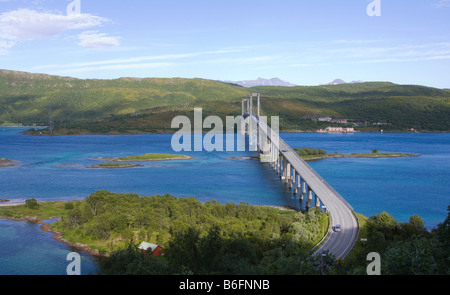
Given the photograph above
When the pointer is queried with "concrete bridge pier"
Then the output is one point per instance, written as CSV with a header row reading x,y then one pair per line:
x,y
279,165
310,198
288,173
296,176
289,177
317,201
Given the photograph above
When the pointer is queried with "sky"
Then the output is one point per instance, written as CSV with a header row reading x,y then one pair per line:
x,y
303,42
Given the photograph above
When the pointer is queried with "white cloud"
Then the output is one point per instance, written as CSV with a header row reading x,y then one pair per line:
x,y
27,25
443,3
134,62
94,39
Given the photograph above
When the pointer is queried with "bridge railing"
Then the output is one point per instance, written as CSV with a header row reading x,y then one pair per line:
x,y
271,134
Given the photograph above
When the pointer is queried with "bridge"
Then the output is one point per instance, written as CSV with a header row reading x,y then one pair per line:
x,y
301,179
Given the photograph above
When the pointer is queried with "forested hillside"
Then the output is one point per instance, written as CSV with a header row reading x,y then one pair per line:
x,y
135,105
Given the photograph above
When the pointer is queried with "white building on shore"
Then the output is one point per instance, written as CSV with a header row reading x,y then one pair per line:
x,y
337,130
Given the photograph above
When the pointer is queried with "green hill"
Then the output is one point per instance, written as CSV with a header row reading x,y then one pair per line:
x,y
135,105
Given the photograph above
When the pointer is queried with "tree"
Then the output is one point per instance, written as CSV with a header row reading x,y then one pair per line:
x,y
416,222
32,204
182,250
411,257
69,206
130,261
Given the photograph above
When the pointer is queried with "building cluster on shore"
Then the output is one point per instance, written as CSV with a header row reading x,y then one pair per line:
x,y
337,130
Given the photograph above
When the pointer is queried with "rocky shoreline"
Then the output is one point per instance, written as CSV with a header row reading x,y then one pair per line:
x,y
57,235
60,238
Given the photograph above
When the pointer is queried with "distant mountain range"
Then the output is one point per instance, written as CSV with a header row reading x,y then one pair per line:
x,y
262,82
340,81
279,82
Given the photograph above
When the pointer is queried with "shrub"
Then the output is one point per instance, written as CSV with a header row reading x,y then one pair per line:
x,y
32,204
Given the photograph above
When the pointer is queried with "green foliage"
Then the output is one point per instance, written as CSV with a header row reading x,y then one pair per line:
x,y
405,248
32,204
150,157
68,206
215,254
130,261
209,238
130,105
309,152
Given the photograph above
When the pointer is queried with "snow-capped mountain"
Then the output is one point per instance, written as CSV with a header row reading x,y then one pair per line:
x,y
340,81
263,82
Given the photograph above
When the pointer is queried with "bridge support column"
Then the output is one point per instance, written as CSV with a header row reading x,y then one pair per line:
x,y
277,164
308,203
274,155
280,165
295,182
310,197
288,174
317,202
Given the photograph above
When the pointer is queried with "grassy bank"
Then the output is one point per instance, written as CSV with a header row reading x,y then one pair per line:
x,y
114,165
46,210
309,154
154,157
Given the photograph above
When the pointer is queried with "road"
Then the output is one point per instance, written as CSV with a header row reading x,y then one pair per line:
x,y
337,243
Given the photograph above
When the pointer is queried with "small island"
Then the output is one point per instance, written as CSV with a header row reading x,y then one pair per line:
x,y
114,165
122,162
7,163
153,157
309,154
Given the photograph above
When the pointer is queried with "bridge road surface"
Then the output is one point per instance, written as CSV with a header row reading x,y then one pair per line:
x,y
337,243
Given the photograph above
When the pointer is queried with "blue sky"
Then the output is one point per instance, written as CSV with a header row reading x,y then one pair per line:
x,y
303,42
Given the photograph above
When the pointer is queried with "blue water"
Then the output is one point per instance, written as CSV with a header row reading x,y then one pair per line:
x,y
54,168
400,186
25,249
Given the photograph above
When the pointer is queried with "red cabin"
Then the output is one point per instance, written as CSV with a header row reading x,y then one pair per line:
x,y
150,248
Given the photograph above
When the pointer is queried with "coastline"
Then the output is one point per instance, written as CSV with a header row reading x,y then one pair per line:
x,y
361,156
33,132
56,235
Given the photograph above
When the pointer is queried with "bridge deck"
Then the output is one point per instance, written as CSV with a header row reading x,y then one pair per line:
x,y
337,243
